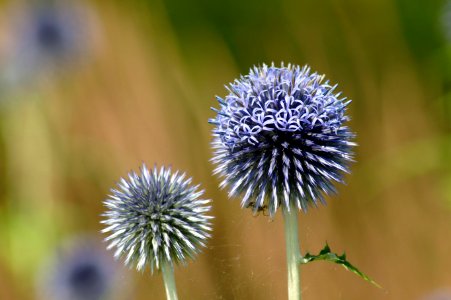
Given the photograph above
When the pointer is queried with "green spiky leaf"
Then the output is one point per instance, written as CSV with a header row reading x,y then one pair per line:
x,y
327,255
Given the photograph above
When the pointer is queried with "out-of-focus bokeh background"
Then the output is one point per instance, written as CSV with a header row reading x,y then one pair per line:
x,y
92,89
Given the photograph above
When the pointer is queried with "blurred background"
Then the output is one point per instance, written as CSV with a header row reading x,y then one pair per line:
x,y
90,90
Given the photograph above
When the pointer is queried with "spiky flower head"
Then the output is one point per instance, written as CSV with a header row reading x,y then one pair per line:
x,y
280,138
155,218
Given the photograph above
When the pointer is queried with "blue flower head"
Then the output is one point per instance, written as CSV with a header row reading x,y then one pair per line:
x,y
55,31
46,38
156,218
446,20
82,271
280,138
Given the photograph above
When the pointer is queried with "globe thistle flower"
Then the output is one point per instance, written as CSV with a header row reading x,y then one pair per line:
x,y
46,37
281,139
446,20
441,294
79,271
156,219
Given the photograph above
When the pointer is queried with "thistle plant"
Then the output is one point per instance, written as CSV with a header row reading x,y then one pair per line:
x,y
46,37
81,271
446,20
281,142
156,219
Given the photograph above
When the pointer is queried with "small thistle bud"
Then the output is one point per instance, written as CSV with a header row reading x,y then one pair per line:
x,y
156,218
280,138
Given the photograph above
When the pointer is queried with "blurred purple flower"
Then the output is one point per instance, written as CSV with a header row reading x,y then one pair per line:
x,y
280,138
441,294
46,37
81,271
446,20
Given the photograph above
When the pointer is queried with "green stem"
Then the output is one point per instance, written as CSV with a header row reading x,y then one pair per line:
x,y
169,281
293,252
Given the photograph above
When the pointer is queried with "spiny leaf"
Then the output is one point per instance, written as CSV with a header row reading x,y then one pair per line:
x,y
327,255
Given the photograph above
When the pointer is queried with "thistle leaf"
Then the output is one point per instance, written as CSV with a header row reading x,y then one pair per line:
x,y
327,255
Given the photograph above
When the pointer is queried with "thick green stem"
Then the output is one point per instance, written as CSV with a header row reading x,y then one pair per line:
x,y
169,281
293,252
